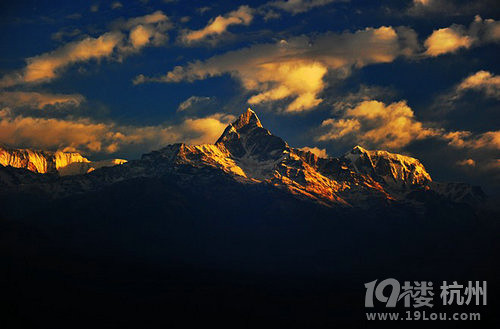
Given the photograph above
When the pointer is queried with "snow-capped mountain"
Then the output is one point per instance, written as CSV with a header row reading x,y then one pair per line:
x,y
396,170
248,153
43,162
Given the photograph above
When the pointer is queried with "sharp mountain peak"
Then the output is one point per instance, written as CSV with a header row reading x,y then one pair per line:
x,y
249,117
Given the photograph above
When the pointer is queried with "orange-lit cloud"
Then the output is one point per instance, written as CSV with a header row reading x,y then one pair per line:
x,y
376,124
204,130
140,36
294,70
394,126
451,39
218,25
320,153
303,79
466,139
46,66
38,100
481,165
447,40
467,163
483,81
89,137
493,164
143,31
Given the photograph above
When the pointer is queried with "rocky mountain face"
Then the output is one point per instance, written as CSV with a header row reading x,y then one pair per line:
x,y
43,162
249,154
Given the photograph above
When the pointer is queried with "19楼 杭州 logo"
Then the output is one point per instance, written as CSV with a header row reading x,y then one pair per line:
x,y
390,293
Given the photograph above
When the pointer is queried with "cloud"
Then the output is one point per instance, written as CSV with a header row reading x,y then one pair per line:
x,y
493,164
484,165
376,124
343,101
447,40
140,36
270,14
482,81
144,30
296,78
64,33
192,101
394,126
451,39
421,7
89,137
157,17
203,10
15,99
116,5
473,92
450,7
320,153
467,163
204,130
466,139
293,71
48,66
298,6
218,25
45,66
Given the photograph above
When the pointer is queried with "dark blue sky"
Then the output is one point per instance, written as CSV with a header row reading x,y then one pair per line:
x,y
119,78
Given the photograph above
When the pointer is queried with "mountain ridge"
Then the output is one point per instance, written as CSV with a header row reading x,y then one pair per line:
x,y
250,154
58,162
